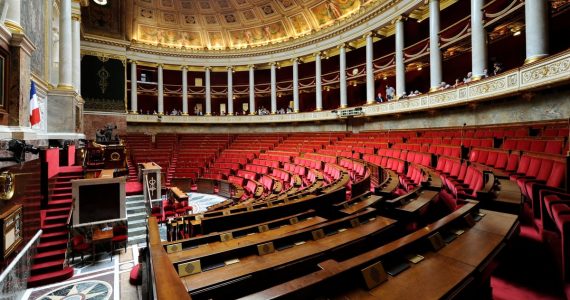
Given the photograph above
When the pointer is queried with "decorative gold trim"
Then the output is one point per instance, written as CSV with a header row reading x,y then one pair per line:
x,y
7,185
65,87
530,60
344,106
13,26
208,114
319,109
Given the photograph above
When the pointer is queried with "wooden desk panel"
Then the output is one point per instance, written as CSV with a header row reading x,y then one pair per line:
x,y
421,201
369,201
496,222
254,263
258,238
430,279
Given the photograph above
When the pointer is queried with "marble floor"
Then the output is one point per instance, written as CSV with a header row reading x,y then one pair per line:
x,y
104,279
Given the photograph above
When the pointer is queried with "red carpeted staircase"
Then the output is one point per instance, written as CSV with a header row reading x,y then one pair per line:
x,y
49,262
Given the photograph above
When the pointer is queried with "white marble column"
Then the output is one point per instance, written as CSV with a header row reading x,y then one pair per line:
x,y
536,22
65,53
342,77
185,90
252,90
134,92
230,90
478,40
13,14
76,49
208,92
400,67
160,91
273,88
296,85
370,87
318,83
434,51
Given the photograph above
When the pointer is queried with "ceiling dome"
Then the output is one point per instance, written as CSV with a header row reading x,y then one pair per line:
x,y
233,24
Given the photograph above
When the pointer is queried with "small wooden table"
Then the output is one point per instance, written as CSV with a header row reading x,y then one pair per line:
x,y
102,237
178,195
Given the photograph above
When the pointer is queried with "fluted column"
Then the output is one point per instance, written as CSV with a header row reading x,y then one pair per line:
x,y
434,51
134,92
230,90
160,91
536,22
65,53
342,77
273,88
13,14
478,40
400,67
296,85
76,49
318,83
184,90
208,93
369,69
251,90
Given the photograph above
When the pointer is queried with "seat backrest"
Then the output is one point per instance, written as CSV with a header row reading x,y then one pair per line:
x,y
537,146
523,164
462,171
483,157
545,169
502,159
557,175
523,145
474,154
492,158
534,166
513,162
553,147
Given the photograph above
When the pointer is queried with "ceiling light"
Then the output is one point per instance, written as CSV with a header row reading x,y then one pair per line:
x,y
419,68
516,33
100,2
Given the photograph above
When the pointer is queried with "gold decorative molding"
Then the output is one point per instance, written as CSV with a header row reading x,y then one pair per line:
x,y
104,55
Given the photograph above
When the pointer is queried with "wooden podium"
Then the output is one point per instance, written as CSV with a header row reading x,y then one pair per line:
x,y
151,181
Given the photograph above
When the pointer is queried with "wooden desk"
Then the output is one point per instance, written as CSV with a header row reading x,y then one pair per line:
x,y
356,206
254,265
453,270
107,173
211,249
420,202
178,195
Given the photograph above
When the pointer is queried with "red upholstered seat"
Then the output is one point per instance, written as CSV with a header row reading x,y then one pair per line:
x,y
79,245
135,277
120,235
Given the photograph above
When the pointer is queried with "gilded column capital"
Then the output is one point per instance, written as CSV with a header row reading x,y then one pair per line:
x,y
207,68
251,67
229,68
76,17
160,66
399,18
132,61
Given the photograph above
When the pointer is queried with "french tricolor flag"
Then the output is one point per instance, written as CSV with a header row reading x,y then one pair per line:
x,y
34,106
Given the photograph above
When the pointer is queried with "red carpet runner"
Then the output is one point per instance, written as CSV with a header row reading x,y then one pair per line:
x,y
49,264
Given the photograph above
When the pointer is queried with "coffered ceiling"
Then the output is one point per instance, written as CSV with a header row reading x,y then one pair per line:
x,y
233,24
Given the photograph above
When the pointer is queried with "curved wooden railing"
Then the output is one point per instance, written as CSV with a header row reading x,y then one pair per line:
x,y
166,284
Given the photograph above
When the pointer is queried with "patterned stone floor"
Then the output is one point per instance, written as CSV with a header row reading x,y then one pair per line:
x,y
105,279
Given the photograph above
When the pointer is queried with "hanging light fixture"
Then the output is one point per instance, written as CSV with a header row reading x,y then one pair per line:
x,y
100,2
